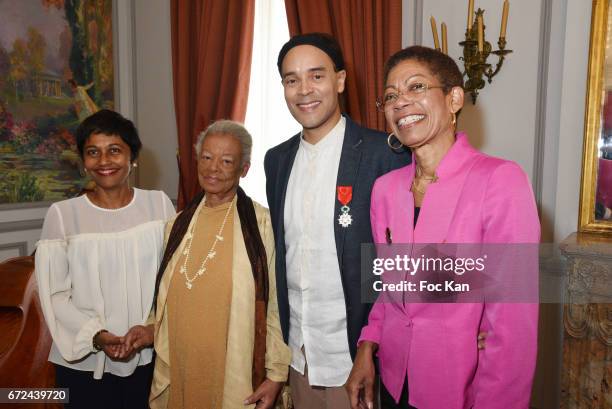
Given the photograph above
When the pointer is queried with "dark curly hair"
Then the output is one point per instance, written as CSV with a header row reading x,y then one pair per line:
x,y
439,64
109,122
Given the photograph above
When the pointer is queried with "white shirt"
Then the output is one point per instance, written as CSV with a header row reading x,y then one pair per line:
x,y
96,270
317,318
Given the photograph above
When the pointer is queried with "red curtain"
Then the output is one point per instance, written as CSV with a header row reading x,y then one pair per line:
x,y
212,43
368,31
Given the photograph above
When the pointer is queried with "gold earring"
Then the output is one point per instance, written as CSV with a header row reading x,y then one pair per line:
x,y
454,119
396,147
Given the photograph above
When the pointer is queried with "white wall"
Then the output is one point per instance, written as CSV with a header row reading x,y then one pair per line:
x,y
532,113
154,107
502,121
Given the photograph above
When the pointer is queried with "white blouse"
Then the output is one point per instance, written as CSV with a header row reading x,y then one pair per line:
x,y
96,270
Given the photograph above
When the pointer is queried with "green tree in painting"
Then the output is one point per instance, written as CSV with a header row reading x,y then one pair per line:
x,y
19,71
81,62
91,49
5,67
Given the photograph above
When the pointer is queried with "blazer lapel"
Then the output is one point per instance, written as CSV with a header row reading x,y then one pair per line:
x,y
401,226
285,165
347,176
441,199
437,210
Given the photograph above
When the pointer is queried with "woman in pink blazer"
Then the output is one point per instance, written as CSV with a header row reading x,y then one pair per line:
x,y
451,193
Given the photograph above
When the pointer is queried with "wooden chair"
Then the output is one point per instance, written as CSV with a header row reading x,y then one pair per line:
x,y
24,338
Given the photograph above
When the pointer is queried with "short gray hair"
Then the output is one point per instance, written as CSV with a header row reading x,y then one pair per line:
x,y
233,128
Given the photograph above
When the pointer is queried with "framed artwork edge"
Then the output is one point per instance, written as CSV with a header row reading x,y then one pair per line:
x,y
592,123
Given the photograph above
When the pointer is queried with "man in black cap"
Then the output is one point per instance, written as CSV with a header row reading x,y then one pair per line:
x,y
318,188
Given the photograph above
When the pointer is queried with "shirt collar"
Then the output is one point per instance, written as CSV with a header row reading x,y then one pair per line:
x,y
335,135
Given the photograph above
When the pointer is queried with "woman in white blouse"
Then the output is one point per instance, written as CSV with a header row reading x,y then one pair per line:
x,y
96,264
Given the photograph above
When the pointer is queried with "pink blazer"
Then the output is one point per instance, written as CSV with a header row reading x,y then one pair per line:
x,y
477,199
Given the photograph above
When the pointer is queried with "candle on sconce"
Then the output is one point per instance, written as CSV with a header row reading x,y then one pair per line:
x,y
470,20
444,39
434,31
504,23
480,33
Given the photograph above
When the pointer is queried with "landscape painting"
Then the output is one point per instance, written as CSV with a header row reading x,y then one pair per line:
x,y
56,68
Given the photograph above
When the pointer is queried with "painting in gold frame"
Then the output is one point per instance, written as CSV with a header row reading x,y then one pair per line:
x,y
595,214
56,68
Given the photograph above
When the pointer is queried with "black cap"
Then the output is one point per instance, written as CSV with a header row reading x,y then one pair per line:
x,y
322,41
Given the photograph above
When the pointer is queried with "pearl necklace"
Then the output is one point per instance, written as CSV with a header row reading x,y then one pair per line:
x,y
211,253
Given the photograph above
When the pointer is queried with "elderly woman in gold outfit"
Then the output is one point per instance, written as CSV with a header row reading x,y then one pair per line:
x,y
216,327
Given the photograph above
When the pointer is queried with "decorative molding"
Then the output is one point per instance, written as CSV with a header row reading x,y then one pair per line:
x,y
21,246
124,57
540,119
418,22
21,225
133,48
25,205
124,54
412,22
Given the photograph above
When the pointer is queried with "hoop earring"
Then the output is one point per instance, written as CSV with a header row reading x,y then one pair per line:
x,y
396,147
454,119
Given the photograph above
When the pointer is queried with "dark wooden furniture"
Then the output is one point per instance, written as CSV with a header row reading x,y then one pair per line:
x,y
24,338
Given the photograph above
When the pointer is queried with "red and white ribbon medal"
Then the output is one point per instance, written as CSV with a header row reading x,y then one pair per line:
x,y
345,195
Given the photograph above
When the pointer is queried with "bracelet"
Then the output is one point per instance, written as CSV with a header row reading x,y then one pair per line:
x,y
95,345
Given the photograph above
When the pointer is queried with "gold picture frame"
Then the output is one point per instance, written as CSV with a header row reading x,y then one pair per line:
x,y
590,211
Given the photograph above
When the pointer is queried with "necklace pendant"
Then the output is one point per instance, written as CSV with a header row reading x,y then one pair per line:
x,y
209,256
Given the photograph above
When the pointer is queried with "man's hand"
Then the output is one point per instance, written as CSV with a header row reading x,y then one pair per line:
x,y
360,383
265,396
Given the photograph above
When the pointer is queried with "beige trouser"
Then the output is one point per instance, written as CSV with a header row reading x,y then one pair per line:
x,y
315,397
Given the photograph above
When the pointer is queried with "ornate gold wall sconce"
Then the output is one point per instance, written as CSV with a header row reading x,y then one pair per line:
x,y
476,50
